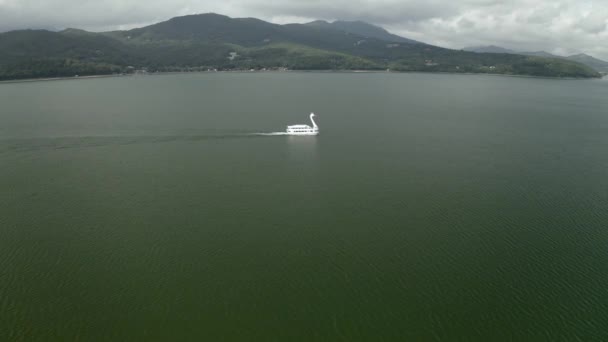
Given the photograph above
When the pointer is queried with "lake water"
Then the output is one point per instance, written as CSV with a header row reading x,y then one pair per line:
x,y
431,208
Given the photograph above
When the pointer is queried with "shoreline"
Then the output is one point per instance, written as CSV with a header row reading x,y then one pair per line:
x,y
49,79
65,78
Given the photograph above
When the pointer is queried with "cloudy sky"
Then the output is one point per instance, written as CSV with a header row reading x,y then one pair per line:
x,y
558,26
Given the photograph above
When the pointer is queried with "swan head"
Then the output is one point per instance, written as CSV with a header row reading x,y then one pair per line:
x,y
312,114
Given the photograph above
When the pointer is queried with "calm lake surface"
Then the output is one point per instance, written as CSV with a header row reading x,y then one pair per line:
x,y
430,208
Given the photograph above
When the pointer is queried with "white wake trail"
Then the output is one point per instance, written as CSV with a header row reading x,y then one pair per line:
x,y
270,134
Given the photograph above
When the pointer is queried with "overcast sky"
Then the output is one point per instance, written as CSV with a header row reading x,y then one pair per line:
x,y
557,26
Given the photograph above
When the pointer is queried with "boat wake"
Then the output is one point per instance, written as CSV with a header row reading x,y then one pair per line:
x,y
270,134
59,143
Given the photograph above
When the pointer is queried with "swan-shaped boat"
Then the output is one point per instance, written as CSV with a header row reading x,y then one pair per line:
x,y
304,129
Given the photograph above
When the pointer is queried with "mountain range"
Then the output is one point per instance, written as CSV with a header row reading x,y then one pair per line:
x,y
217,42
590,61
364,29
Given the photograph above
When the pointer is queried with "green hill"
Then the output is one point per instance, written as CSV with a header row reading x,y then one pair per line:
x,y
597,64
363,29
590,61
199,42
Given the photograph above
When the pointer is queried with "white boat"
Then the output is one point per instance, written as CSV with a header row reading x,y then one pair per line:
x,y
304,129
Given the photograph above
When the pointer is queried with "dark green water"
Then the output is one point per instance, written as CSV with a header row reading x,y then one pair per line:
x,y
430,208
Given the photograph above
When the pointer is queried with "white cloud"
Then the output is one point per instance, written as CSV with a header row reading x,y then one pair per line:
x,y
563,26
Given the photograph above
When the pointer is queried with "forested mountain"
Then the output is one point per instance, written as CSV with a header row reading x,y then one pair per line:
x,y
212,41
363,29
489,49
592,62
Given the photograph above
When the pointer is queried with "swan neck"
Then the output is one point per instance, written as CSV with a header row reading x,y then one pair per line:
x,y
314,124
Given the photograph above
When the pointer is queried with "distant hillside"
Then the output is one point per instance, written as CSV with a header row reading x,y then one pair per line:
x,y
363,29
540,54
212,41
39,53
498,49
489,49
592,62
